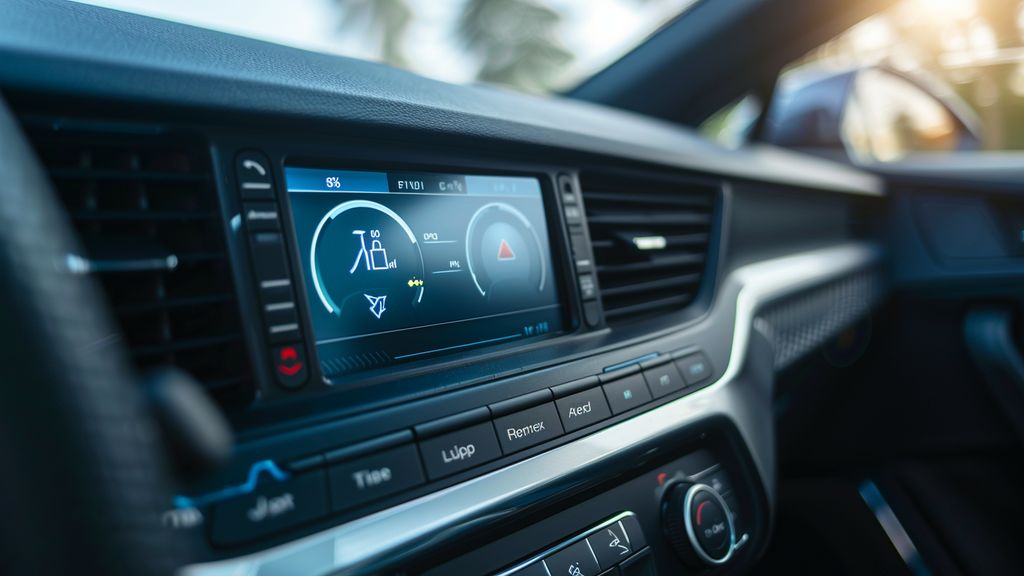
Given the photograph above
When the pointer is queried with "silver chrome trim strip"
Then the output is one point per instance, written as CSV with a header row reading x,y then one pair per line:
x,y
364,540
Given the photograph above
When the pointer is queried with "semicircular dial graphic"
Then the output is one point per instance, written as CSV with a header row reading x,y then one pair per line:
x,y
504,253
366,264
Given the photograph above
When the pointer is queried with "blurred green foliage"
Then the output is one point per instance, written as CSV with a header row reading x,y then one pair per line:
x,y
514,41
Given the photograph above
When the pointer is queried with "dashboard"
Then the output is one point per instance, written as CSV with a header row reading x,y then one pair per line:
x,y
453,330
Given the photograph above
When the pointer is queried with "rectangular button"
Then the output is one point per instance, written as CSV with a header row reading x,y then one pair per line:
x,y
528,428
611,545
588,289
695,368
592,313
254,177
634,534
282,325
583,409
369,478
271,508
627,393
573,214
269,260
277,295
289,363
664,379
261,216
576,560
579,245
581,254
460,450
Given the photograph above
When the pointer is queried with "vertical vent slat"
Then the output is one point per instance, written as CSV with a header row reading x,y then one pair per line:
x,y
147,214
650,239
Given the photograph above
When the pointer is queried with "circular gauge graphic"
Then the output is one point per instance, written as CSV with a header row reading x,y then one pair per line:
x,y
366,264
504,253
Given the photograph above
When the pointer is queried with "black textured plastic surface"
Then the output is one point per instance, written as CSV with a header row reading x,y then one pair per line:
x,y
83,484
800,324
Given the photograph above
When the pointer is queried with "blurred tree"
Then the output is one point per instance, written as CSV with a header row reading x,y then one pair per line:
x,y
384,20
515,41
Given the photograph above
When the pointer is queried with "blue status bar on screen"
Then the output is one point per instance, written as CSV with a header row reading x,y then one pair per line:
x,y
325,180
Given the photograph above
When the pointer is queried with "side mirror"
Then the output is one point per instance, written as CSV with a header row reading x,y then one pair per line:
x,y
868,115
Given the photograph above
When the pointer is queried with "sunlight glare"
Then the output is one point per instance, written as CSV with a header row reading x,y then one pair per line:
x,y
947,10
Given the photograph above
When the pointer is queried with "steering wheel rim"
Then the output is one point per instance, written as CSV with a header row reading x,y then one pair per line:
x,y
85,477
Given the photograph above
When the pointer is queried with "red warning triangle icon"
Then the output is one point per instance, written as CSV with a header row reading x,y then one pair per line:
x,y
505,251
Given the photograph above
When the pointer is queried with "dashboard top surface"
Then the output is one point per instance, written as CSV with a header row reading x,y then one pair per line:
x,y
61,47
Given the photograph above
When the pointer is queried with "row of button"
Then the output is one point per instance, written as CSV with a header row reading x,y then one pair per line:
x,y
360,474
262,220
550,414
618,544
583,260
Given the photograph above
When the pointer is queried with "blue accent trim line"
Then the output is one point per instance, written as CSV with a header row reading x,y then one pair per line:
x,y
268,466
643,358
488,341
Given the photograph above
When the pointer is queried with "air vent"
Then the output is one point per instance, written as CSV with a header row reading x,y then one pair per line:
x,y
147,214
650,240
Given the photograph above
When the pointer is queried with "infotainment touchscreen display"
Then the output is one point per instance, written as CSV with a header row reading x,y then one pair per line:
x,y
402,266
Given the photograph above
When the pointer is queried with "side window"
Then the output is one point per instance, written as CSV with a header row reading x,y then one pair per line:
x,y
923,76
887,117
731,126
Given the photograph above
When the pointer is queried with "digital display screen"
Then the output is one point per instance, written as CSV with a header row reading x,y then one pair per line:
x,y
402,266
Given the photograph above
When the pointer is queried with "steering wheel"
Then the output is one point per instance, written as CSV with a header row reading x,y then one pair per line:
x,y
84,476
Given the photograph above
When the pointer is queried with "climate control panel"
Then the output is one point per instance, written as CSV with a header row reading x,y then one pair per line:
x,y
697,513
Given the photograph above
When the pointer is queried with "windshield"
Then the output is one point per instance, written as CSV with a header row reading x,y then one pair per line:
x,y
530,45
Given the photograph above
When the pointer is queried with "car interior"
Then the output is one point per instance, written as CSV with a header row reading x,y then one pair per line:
x,y
538,288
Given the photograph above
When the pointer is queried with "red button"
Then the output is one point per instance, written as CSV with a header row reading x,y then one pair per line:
x,y
290,365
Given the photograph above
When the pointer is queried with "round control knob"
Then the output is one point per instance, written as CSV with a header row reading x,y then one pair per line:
x,y
698,524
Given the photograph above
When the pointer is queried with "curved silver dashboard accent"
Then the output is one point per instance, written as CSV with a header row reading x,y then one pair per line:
x,y
358,543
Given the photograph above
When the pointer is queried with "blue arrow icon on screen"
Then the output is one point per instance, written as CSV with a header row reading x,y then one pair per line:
x,y
376,304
